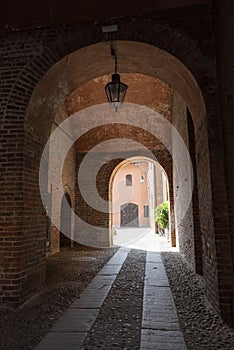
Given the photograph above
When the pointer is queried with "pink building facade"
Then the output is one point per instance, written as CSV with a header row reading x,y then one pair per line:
x,y
138,187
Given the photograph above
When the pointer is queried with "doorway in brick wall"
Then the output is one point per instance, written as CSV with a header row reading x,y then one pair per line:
x,y
65,221
133,204
129,215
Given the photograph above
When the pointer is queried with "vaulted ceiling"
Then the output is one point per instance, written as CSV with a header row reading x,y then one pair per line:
x,y
26,14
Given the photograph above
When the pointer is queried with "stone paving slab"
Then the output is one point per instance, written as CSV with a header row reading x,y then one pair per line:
x,y
99,281
151,300
119,257
100,288
153,257
89,303
162,346
157,283
62,341
165,326
159,317
76,320
172,336
157,270
160,323
110,270
158,292
91,299
163,307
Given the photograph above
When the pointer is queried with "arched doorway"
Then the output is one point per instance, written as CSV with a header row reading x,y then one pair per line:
x,y
150,188
131,199
65,221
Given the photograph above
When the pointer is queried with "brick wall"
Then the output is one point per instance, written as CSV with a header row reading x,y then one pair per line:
x,y
223,19
195,201
183,217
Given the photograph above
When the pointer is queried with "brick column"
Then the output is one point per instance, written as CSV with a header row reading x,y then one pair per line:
x,y
223,16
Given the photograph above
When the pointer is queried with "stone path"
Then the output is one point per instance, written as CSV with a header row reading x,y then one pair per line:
x,y
160,326
118,325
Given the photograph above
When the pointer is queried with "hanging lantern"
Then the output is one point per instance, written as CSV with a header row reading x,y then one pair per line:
x,y
115,90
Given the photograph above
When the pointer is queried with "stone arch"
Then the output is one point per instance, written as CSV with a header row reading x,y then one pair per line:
x,y
80,66
105,172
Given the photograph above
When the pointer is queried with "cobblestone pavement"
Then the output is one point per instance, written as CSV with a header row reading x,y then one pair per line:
x,y
128,305
203,329
68,274
87,318
117,324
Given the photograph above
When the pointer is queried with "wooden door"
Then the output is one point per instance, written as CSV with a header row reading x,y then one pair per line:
x,y
129,215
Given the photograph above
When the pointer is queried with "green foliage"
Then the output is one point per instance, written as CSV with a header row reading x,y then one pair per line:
x,y
161,215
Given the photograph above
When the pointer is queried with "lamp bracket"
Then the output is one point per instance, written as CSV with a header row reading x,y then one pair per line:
x,y
110,29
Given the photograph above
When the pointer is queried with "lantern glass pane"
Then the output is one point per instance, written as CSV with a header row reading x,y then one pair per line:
x,y
122,92
108,92
114,91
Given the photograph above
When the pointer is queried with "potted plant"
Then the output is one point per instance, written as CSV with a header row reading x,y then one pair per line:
x,y
162,217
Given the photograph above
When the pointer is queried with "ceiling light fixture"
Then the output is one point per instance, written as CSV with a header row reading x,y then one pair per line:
x,y
115,90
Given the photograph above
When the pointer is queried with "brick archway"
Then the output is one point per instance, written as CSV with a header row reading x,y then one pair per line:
x,y
61,81
134,57
195,78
